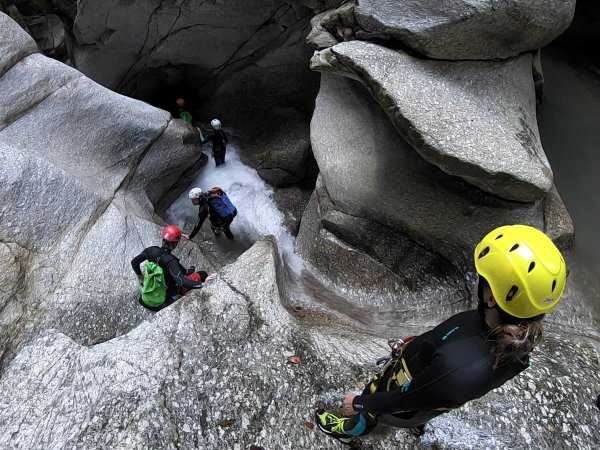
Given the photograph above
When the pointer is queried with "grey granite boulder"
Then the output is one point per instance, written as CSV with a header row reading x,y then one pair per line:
x,y
83,170
353,140
475,120
467,29
214,371
15,43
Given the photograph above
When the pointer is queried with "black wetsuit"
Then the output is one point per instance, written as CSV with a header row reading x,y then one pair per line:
x,y
439,370
216,221
218,138
203,210
175,273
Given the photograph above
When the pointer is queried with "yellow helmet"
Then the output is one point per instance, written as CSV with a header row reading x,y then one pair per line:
x,y
525,270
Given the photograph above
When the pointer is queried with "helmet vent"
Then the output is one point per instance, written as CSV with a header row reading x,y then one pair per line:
x,y
499,236
553,285
511,293
531,266
514,247
484,252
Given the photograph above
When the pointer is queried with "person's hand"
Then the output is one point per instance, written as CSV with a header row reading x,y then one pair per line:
x,y
212,277
347,408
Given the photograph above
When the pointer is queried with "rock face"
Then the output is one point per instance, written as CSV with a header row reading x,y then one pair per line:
x,y
119,44
467,29
475,120
242,61
213,371
82,171
584,30
392,186
48,31
15,44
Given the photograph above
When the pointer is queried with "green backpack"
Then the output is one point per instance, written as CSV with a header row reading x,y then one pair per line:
x,y
154,288
185,116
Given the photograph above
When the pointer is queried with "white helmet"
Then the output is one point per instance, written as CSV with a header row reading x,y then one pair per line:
x,y
216,124
195,193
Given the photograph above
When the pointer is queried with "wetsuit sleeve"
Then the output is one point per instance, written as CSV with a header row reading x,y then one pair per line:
x,y
178,274
225,138
139,259
437,387
202,215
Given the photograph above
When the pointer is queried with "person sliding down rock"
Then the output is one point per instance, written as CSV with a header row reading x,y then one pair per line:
x,y
218,138
522,276
216,204
164,279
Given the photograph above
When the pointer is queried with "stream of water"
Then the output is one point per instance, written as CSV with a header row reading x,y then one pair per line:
x,y
258,214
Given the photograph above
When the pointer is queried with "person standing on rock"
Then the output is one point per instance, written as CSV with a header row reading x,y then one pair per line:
x,y
218,138
216,204
184,115
522,276
169,280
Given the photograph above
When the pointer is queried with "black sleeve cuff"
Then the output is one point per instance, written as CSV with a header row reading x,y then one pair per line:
x,y
357,403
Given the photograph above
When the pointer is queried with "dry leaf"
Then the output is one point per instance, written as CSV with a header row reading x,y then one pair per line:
x,y
225,423
309,425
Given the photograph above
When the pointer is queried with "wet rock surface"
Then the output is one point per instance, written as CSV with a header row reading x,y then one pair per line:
x,y
15,44
467,29
430,103
85,173
214,370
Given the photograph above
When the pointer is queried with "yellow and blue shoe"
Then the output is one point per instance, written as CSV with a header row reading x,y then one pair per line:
x,y
333,425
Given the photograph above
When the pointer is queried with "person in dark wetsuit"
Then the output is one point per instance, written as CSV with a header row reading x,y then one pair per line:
x,y
178,280
218,223
522,276
218,138
182,112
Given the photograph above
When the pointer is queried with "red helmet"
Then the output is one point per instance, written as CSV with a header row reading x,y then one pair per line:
x,y
171,233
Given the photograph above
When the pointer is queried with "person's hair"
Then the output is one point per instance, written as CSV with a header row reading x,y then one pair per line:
x,y
514,338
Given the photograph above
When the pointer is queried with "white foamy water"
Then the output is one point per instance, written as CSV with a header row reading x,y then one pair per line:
x,y
258,215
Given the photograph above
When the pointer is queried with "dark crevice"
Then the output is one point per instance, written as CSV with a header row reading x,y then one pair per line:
x,y
255,322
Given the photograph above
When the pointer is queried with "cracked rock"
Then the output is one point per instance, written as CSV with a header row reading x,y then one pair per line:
x,y
467,29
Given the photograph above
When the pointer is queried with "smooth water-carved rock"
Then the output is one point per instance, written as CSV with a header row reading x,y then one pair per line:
x,y
213,371
475,120
83,169
119,43
353,140
467,29
283,152
15,44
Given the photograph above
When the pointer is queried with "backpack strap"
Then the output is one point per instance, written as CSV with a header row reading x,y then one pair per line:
x,y
165,258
